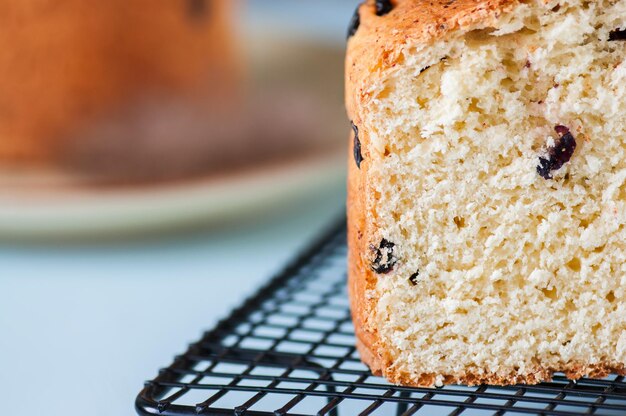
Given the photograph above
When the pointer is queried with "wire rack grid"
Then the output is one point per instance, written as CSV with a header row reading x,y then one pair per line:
x,y
289,350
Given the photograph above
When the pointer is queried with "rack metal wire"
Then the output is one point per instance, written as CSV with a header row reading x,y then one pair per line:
x,y
289,350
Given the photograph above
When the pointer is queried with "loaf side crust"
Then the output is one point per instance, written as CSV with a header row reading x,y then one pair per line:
x,y
360,278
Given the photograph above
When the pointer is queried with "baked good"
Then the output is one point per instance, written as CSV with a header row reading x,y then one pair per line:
x,y
69,69
487,189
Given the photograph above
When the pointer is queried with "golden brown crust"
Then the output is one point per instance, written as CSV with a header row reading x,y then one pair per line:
x,y
377,47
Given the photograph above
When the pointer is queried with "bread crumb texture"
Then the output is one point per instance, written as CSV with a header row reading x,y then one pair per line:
x,y
499,274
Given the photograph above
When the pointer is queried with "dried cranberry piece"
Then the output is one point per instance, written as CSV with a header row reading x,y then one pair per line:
x,y
355,22
617,34
358,157
383,7
385,260
543,168
558,155
413,279
561,130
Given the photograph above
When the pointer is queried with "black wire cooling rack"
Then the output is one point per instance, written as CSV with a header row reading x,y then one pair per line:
x,y
289,350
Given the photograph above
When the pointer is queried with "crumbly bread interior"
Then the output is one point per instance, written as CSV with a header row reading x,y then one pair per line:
x,y
496,269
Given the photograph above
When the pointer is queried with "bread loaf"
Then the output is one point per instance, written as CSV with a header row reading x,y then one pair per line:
x,y
487,189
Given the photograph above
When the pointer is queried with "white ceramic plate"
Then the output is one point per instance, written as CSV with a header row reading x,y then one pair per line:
x,y
62,212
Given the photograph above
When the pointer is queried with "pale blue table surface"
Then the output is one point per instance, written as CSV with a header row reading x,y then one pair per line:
x,y
81,328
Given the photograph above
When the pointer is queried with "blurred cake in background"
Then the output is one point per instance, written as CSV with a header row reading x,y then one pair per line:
x,y
126,116
75,71
145,91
